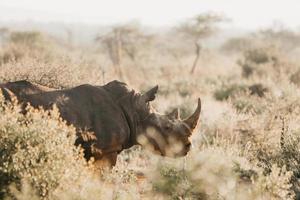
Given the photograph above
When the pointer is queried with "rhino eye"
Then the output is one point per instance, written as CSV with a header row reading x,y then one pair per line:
x,y
167,127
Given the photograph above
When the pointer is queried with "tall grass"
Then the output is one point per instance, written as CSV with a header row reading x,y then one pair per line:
x,y
246,147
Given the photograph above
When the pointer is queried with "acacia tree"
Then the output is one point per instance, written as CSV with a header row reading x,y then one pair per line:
x,y
124,40
197,28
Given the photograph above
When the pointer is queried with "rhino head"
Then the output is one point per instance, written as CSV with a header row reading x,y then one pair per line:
x,y
167,135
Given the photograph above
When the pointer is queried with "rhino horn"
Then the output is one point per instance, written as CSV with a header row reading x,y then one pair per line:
x,y
192,121
175,114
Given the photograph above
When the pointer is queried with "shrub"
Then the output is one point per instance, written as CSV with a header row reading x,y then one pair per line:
x,y
255,59
38,160
29,44
295,78
11,53
31,39
217,174
37,147
272,139
58,74
229,91
237,44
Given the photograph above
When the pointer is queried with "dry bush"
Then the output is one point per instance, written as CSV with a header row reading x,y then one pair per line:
x,y
214,173
273,138
59,74
229,91
22,44
267,61
38,159
242,149
240,94
295,78
38,147
238,44
258,60
286,39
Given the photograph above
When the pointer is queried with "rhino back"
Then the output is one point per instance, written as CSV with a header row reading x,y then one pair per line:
x,y
24,87
89,108
116,89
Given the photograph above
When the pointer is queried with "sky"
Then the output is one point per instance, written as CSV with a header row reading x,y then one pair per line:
x,y
248,14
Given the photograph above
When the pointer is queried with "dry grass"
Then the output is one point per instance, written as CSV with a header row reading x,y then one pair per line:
x,y
246,147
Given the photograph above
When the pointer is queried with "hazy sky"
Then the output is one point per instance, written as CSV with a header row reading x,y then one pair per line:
x,y
244,14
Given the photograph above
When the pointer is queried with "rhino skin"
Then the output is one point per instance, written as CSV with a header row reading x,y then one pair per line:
x,y
117,117
21,88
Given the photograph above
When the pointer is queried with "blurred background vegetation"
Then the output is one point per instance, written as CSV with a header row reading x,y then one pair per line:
x,y
246,147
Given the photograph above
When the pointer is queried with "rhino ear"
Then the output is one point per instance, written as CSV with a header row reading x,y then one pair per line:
x,y
150,95
175,114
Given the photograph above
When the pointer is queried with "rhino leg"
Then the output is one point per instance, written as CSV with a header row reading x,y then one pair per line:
x,y
106,161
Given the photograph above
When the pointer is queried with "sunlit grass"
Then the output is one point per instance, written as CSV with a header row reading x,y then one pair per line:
x,y
246,146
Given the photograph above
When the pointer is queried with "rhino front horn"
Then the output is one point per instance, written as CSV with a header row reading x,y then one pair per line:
x,y
192,121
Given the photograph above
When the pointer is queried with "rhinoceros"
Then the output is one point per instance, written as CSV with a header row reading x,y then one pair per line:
x,y
119,118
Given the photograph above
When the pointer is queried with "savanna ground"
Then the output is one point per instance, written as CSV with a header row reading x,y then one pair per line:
x,y
247,145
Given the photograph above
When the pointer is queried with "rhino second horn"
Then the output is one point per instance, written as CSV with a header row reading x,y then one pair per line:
x,y
192,121
175,114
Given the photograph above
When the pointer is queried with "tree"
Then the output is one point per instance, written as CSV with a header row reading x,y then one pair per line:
x,y
197,28
281,36
124,40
